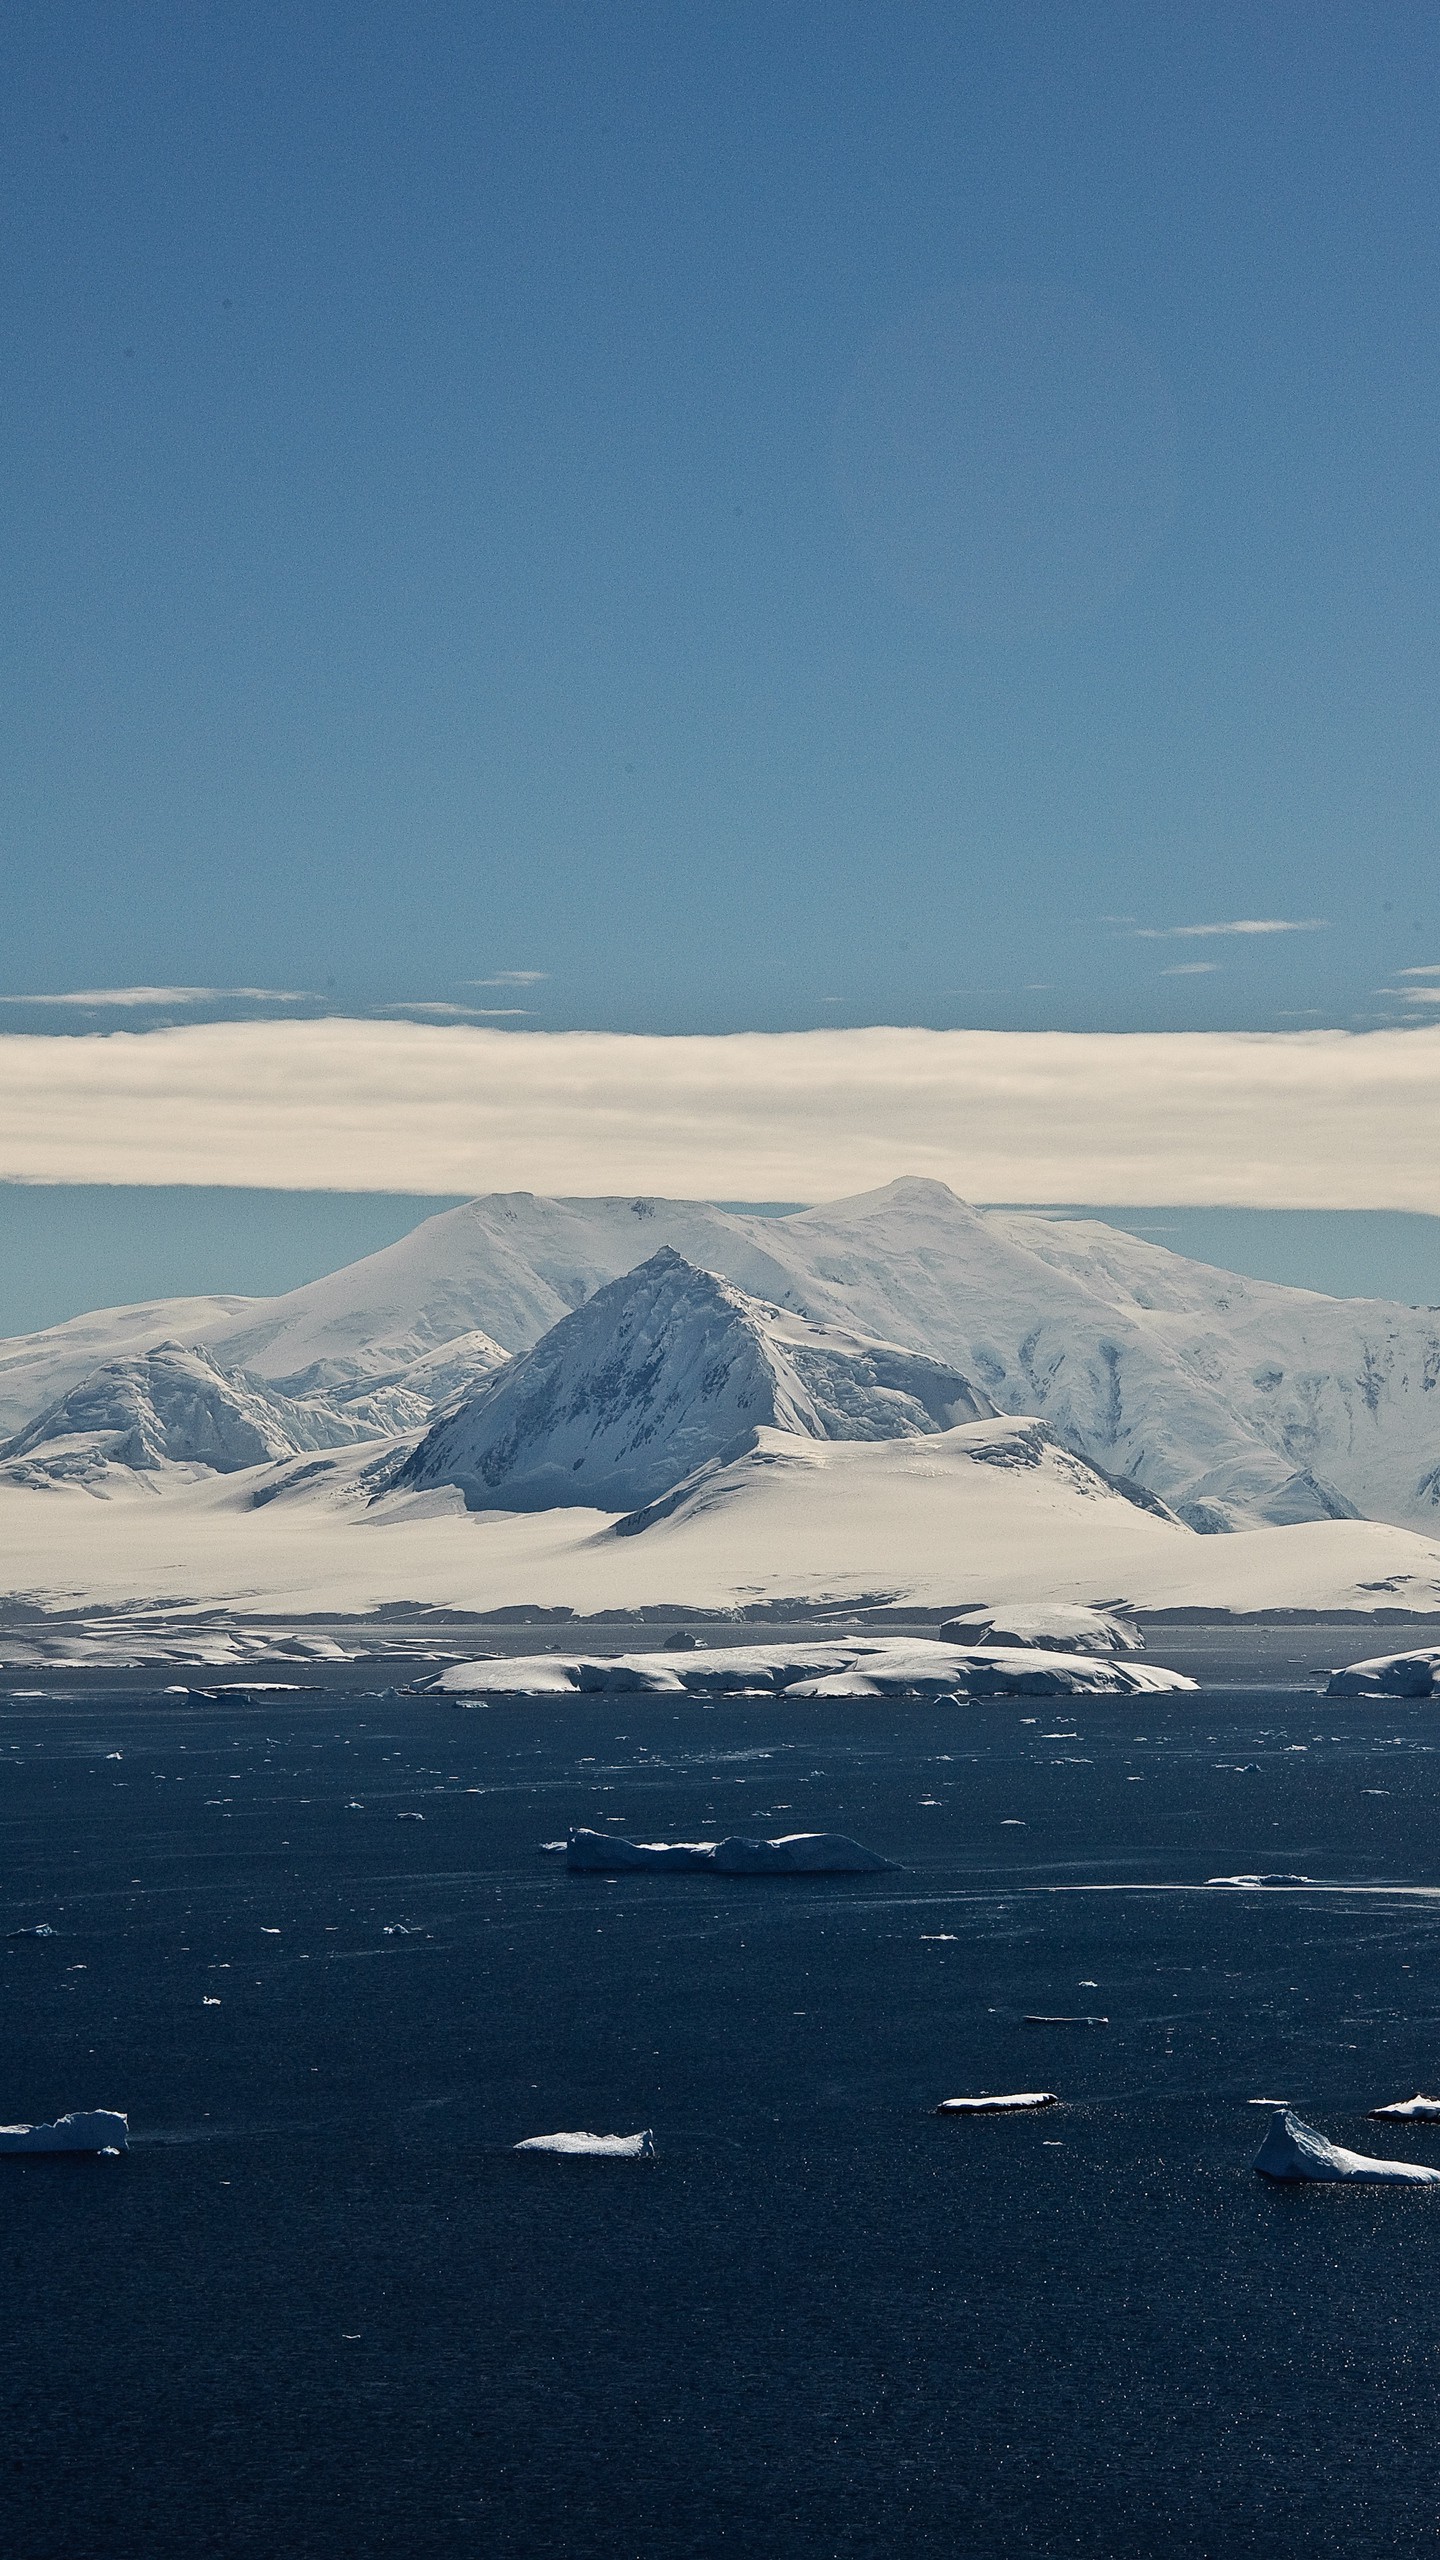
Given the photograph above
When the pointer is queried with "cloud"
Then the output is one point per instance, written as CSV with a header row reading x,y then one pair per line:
x,y
462,1012
94,999
512,978
1297,1119
1430,969
1241,925
1192,969
1411,995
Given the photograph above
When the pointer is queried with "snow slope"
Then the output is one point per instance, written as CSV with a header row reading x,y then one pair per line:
x,y
982,1512
664,1371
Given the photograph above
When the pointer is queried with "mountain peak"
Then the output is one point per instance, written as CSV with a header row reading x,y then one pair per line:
x,y
667,1369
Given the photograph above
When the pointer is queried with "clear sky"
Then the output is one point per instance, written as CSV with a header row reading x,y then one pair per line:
x,y
723,517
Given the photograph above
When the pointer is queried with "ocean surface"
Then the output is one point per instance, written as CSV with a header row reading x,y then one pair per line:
x,y
323,2308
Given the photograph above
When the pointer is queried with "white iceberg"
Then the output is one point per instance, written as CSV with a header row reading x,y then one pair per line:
x,y
1419,2110
1250,1881
1059,1626
593,2146
93,2129
1295,2150
1021,2102
797,1853
1388,1675
856,1667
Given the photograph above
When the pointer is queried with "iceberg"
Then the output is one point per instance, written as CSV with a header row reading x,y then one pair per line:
x,y
93,2129
593,2146
1248,1881
798,1853
1023,2102
1295,2150
1388,1675
1058,1626
1408,2111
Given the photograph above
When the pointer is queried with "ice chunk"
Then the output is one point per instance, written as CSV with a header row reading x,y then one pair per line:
x,y
1408,2111
95,2129
1259,1880
1023,2102
1080,2021
1295,2150
593,2146
812,1853
1059,1626
1388,1675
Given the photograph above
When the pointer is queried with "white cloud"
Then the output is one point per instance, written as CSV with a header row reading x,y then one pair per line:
x,y
462,1012
1192,969
1431,969
1241,925
94,999
512,978
1300,1119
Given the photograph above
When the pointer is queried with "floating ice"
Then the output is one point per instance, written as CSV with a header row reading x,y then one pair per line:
x,y
1059,1626
1295,2150
96,2129
1067,2022
1388,1675
1408,2111
1023,2102
856,1667
798,1853
1259,1880
593,2146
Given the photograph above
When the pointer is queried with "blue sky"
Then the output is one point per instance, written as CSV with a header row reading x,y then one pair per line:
x,y
725,517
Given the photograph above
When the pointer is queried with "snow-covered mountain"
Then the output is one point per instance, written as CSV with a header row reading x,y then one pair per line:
x,y
1234,1400
664,1371
169,1408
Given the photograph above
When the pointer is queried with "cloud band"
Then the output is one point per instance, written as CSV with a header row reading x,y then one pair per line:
x,y
1319,1119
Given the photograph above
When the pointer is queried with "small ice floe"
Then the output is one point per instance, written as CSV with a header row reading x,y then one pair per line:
x,y
798,1853
593,2146
1248,1881
412,1817
1295,2150
33,1929
97,2129
553,1848
1067,2022
1022,2102
1408,2111
1389,1675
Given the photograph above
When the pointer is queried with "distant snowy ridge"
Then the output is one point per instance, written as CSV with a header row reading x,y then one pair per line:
x,y
170,1408
666,1371
1235,1401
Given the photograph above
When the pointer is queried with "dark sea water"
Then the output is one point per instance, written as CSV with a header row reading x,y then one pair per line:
x,y
322,2307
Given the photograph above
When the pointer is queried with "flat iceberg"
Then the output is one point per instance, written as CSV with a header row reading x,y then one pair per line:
x,y
1248,1881
93,2129
593,2146
798,1853
1057,1626
856,1667
1408,2111
1022,2102
1295,2150
1388,1675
